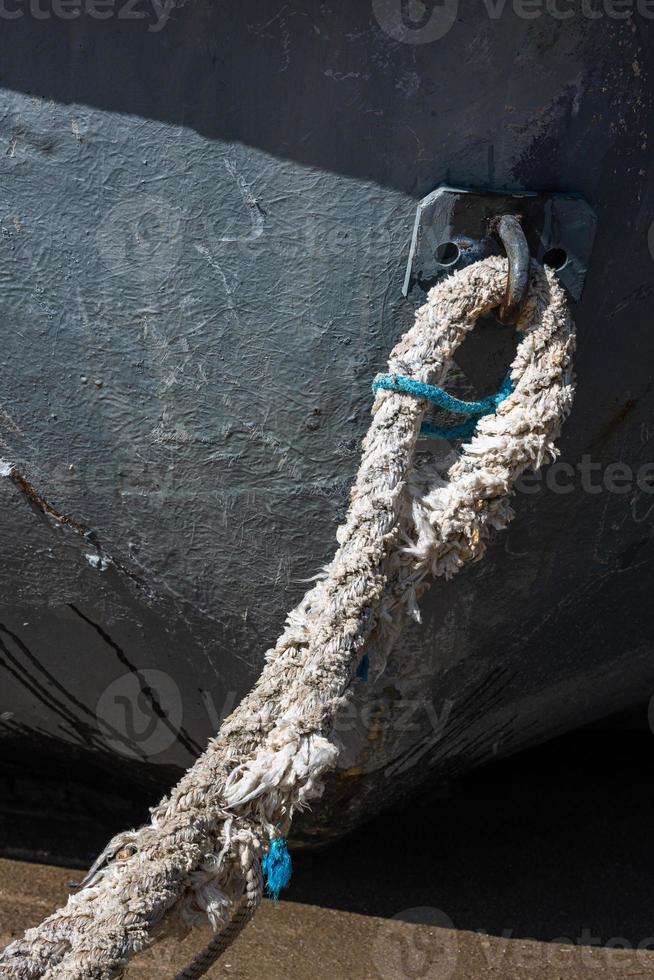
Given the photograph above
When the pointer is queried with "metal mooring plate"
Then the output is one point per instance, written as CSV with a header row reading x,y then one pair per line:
x,y
453,229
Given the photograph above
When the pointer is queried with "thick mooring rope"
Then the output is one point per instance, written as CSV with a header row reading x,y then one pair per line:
x,y
204,843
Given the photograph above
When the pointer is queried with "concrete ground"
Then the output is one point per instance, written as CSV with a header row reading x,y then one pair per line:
x,y
539,868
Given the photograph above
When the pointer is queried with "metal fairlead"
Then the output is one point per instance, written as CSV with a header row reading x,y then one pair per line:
x,y
455,227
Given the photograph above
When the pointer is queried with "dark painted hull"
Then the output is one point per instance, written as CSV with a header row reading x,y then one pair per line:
x,y
205,233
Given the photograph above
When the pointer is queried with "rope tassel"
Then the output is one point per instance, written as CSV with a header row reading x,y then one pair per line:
x,y
206,840
277,867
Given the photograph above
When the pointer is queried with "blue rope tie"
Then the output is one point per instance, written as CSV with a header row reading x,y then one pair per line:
x,y
277,867
475,410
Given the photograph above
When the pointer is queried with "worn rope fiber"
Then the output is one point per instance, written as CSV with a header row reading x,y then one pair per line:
x,y
270,756
223,939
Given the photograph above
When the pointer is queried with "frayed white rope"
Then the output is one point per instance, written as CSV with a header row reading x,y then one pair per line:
x,y
271,754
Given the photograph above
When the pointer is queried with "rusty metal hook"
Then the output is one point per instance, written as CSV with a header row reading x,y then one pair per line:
x,y
513,239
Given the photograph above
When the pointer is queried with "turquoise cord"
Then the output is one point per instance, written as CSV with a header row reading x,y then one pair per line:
x,y
436,396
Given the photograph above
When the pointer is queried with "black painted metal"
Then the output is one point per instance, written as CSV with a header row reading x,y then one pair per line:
x,y
204,232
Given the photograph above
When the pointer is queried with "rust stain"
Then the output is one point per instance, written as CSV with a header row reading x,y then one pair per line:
x,y
46,508
354,772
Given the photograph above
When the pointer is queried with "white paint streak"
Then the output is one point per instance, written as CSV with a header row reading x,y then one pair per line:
x,y
251,203
215,265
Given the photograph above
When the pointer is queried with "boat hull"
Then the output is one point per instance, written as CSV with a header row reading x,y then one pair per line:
x,y
205,232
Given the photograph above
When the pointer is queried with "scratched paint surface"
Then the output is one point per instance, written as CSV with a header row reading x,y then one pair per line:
x,y
204,234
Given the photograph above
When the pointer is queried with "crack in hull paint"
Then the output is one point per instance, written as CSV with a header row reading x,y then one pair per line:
x,y
86,733
180,733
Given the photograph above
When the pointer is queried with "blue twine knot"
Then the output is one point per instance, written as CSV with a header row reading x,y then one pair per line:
x,y
277,867
474,410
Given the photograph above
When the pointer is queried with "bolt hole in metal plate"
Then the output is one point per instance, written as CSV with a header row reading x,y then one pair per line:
x,y
453,229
